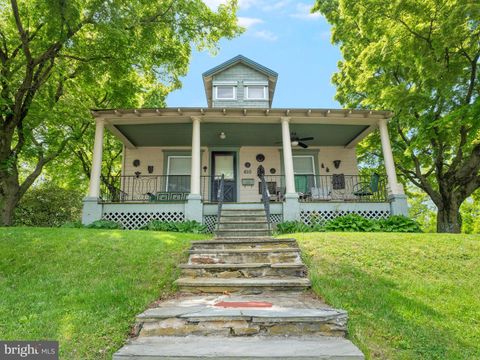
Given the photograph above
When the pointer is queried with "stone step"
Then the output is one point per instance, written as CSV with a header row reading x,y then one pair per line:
x,y
245,286
181,321
257,347
240,218
245,244
244,225
243,270
243,212
245,256
242,232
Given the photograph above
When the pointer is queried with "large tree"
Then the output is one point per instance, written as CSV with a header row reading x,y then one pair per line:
x,y
420,59
59,58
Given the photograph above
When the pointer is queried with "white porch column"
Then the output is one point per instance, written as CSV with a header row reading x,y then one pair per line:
x,y
291,206
96,172
196,157
287,156
397,198
194,206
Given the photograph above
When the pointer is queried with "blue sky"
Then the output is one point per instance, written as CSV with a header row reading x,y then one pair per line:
x,y
283,36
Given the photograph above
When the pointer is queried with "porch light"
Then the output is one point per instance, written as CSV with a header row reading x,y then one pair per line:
x,y
222,136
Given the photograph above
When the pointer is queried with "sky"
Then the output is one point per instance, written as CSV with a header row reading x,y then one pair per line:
x,y
283,36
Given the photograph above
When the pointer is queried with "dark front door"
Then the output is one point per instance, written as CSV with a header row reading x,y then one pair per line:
x,y
224,163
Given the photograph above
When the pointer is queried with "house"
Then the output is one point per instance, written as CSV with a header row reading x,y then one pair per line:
x,y
174,158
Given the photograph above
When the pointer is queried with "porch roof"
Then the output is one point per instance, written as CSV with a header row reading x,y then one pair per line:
x,y
171,126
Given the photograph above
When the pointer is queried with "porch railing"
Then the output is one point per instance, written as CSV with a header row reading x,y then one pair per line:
x,y
147,188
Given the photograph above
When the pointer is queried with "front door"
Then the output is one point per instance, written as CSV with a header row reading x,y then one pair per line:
x,y
224,163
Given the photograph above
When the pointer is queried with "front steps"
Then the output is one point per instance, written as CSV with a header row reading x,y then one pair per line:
x,y
243,296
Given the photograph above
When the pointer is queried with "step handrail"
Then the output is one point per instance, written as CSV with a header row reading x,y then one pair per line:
x,y
220,196
265,198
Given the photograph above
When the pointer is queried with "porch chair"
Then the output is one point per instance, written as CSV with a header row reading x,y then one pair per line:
x,y
366,188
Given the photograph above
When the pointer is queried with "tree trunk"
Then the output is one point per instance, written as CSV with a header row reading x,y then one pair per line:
x,y
449,219
9,197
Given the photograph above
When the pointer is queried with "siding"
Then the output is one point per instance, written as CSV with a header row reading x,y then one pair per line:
x,y
348,157
240,73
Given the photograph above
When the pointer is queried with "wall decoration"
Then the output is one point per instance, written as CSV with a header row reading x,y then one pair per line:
x,y
248,182
247,171
323,166
327,169
260,157
336,163
273,171
205,169
260,171
137,173
150,169
136,163
247,164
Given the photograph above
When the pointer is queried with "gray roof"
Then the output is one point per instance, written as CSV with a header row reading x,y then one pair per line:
x,y
242,59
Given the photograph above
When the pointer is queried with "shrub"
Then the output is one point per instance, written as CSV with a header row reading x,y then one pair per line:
x,y
352,222
105,224
49,205
399,223
290,227
191,226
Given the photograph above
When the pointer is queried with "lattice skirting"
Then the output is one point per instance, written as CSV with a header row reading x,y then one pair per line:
x,y
314,217
135,220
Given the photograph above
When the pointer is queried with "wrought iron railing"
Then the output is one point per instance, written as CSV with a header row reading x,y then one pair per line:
x,y
220,195
265,198
147,188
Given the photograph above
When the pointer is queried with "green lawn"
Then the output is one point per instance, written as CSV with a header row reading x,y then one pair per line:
x,y
83,287
409,296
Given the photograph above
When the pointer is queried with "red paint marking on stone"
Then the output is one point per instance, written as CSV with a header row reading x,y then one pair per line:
x,y
240,304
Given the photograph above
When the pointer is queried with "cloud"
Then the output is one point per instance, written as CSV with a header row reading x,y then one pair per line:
x,y
248,22
302,11
278,5
265,35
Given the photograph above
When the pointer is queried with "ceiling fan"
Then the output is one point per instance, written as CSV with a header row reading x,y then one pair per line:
x,y
298,141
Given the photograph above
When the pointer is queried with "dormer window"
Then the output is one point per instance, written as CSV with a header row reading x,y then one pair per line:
x,y
225,91
256,91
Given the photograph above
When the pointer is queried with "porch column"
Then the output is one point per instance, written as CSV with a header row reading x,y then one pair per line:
x,y
96,172
194,208
291,207
398,201
92,209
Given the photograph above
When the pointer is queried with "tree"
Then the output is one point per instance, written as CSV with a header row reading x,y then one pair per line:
x,y
418,58
59,58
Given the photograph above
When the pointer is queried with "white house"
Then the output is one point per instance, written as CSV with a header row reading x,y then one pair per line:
x,y
174,158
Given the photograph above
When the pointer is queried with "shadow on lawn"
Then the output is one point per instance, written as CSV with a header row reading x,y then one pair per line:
x,y
383,322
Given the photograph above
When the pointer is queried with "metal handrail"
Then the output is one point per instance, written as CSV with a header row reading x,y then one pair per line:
x,y
220,196
265,199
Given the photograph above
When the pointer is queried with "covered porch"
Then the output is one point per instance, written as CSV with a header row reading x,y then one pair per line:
x,y
174,158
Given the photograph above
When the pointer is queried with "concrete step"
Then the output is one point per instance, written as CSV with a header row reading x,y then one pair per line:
x,y
245,256
242,232
243,212
240,218
244,286
181,321
234,225
228,271
219,347
244,244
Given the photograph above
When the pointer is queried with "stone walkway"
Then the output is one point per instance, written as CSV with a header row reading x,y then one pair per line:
x,y
244,295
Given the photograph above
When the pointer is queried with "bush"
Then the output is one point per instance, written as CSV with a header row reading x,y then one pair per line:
x,y
352,222
191,226
399,223
48,205
290,227
105,224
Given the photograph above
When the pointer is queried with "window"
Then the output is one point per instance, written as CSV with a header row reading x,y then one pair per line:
x,y
256,92
304,170
225,92
178,173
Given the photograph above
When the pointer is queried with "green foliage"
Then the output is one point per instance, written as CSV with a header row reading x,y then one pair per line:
x,y
189,226
290,227
352,222
104,224
57,283
419,59
399,223
49,205
72,225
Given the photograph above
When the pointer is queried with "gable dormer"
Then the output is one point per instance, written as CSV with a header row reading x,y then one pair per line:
x,y
240,83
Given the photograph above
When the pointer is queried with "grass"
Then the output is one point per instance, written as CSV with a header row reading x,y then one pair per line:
x,y
83,287
409,296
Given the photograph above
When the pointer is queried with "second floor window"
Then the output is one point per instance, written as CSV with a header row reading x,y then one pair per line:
x,y
225,92
256,92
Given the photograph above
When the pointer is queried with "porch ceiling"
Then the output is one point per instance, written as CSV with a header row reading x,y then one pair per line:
x,y
180,134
